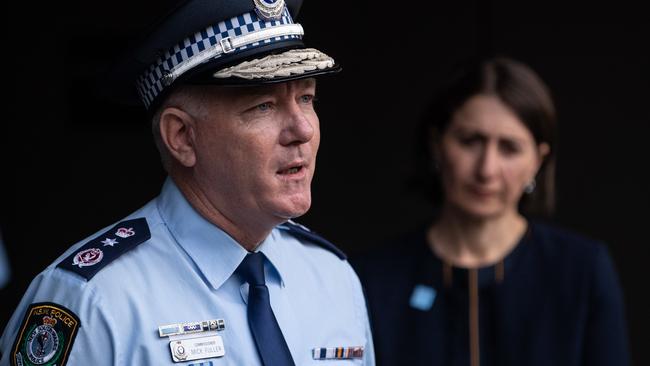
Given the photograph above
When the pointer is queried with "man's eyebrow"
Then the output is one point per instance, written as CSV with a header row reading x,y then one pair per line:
x,y
308,82
241,92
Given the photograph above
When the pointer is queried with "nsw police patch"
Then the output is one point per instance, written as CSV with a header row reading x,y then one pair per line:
x,y
46,336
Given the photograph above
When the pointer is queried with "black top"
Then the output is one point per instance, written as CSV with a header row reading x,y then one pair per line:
x,y
555,300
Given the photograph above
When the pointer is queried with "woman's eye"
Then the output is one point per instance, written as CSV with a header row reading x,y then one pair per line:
x,y
509,148
469,140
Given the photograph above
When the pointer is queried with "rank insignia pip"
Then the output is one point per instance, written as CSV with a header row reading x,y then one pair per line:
x,y
46,336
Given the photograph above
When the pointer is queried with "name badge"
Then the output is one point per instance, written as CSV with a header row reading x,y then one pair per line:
x,y
190,349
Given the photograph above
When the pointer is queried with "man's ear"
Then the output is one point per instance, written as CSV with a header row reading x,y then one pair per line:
x,y
177,130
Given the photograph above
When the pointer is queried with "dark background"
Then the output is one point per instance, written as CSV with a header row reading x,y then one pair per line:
x,y
72,164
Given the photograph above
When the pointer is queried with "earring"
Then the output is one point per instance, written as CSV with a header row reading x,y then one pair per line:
x,y
530,187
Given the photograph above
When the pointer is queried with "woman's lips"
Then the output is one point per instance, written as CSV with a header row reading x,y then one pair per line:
x,y
483,193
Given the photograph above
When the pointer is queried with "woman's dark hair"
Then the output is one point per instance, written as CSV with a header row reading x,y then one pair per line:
x,y
518,87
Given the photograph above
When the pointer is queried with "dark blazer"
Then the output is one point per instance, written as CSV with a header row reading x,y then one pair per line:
x,y
555,300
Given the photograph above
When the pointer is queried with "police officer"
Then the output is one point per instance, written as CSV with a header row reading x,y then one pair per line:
x,y
213,271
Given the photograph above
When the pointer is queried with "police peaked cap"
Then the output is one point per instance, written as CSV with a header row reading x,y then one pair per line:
x,y
224,42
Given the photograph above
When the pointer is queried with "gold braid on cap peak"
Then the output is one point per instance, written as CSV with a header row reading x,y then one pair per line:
x,y
292,62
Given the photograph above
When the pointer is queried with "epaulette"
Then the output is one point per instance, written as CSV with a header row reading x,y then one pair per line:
x,y
105,248
302,232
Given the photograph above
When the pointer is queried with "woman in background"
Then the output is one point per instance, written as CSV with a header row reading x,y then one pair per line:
x,y
484,284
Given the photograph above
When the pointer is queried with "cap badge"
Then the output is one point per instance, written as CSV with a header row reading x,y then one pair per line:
x,y
269,9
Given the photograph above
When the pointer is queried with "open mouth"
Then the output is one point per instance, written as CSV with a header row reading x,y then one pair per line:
x,y
291,170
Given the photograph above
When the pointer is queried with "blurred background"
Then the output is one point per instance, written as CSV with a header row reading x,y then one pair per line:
x,y
73,164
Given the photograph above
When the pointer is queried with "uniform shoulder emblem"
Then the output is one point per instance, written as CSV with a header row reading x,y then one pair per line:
x,y
45,336
105,248
301,232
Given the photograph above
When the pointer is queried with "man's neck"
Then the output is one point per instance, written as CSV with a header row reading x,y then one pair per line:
x,y
245,232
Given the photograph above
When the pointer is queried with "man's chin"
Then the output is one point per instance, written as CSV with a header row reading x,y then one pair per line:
x,y
293,208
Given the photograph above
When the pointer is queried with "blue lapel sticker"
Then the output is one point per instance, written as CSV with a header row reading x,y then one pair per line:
x,y
423,297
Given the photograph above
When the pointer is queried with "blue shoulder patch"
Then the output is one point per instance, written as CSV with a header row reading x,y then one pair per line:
x,y
99,252
304,233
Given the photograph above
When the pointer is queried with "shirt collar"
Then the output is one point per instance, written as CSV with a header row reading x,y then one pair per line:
x,y
276,252
216,254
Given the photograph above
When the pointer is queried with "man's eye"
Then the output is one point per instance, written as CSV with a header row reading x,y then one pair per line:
x,y
264,106
306,99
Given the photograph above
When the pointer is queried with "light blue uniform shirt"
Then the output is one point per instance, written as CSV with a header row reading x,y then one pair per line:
x,y
186,272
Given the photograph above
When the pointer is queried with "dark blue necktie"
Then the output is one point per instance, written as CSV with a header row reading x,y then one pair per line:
x,y
268,337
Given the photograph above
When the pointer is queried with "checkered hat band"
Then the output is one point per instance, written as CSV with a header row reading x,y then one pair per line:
x,y
150,84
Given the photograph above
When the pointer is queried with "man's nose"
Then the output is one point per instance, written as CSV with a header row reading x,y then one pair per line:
x,y
299,128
